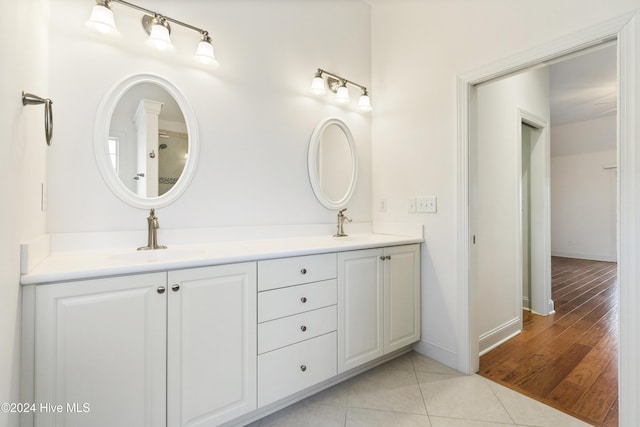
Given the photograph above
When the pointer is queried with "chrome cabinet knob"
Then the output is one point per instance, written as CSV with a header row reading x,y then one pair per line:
x,y
303,328
382,257
303,271
303,299
161,289
388,257
303,368
175,288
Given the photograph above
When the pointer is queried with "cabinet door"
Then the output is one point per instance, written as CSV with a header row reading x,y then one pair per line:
x,y
360,307
101,352
401,296
212,346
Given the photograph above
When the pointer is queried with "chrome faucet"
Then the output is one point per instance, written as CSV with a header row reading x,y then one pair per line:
x,y
152,229
341,219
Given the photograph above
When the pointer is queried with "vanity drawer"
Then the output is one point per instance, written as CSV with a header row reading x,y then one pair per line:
x,y
296,299
278,273
290,330
291,369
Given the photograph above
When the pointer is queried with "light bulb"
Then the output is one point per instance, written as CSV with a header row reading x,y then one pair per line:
x,y
204,52
364,103
101,19
317,86
159,35
342,94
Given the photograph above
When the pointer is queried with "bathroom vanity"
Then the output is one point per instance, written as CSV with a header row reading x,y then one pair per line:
x,y
212,334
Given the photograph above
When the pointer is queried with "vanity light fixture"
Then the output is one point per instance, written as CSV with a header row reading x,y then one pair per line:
x,y
156,25
338,85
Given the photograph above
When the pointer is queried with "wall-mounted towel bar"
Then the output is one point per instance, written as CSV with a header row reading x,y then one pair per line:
x,y
30,99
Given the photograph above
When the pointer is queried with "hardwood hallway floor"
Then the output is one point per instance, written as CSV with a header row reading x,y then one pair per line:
x,y
568,360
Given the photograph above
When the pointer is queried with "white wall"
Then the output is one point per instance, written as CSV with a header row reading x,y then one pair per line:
x,y
496,188
22,162
583,193
254,113
419,48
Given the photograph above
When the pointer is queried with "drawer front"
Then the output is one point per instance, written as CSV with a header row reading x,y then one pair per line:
x,y
291,369
293,329
279,273
296,299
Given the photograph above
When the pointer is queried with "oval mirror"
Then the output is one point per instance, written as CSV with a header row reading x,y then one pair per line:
x,y
146,141
332,163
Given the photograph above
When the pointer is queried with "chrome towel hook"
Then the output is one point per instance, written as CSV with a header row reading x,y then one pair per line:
x,y
30,99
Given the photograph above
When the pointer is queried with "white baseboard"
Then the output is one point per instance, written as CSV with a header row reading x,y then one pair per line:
x,y
495,337
438,353
578,255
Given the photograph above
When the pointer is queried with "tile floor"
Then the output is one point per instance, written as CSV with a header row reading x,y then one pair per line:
x,y
414,390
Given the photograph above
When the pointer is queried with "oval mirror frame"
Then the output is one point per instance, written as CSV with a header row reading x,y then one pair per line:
x,y
313,164
101,134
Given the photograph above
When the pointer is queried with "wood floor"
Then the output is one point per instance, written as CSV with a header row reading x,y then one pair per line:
x,y
568,360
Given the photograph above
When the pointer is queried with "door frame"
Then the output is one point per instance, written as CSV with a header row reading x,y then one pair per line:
x,y
626,30
540,284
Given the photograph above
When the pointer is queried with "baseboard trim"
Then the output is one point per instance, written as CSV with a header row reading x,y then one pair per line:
x,y
438,353
592,257
490,340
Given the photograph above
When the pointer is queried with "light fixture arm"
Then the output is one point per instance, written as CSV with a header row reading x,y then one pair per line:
x,y
320,72
152,13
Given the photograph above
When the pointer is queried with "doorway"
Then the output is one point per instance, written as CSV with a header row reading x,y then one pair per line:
x,y
626,30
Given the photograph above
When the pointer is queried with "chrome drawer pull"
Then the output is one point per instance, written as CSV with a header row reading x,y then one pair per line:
x,y
303,271
161,289
303,299
303,328
303,368
175,288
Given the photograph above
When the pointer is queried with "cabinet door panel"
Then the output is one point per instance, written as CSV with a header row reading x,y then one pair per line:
x,y
402,297
212,344
102,342
360,307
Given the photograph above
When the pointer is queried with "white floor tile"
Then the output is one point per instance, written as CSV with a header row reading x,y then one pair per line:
x,y
415,391
387,389
357,417
529,412
465,397
308,415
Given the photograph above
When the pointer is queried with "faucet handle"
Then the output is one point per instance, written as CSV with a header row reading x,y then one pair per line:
x,y
341,212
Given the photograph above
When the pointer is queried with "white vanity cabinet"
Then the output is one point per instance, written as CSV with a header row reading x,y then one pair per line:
x,y
297,324
378,303
100,343
211,360
174,349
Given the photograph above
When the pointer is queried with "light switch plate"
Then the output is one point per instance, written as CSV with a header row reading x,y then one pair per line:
x,y
382,205
411,205
427,204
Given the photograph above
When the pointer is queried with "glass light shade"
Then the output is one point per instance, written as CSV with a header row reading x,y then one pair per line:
x,y
317,86
159,37
101,19
364,103
342,95
204,54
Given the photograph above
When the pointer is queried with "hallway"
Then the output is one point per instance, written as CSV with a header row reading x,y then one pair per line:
x,y
568,360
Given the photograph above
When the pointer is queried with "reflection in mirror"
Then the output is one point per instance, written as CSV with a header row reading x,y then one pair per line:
x,y
332,163
146,141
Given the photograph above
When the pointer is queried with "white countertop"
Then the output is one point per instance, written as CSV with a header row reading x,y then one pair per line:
x,y
84,264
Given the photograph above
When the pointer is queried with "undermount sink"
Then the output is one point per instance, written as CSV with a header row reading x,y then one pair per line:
x,y
155,255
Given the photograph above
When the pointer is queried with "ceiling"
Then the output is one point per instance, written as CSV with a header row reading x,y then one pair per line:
x,y
584,86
